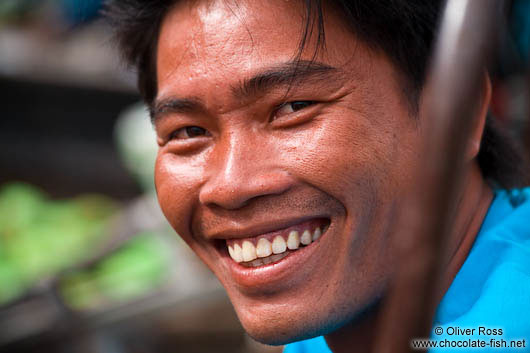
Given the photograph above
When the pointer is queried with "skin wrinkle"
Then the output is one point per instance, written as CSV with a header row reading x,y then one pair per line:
x,y
282,75
348,158
288,74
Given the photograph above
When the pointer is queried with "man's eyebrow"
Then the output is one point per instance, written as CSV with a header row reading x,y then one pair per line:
x,y
286,74
174,105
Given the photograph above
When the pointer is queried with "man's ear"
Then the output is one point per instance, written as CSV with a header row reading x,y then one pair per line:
x,y
479,119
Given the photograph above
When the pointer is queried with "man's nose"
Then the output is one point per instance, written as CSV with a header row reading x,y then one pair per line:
x,y
240,171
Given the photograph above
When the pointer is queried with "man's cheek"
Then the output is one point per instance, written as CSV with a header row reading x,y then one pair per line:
x,y
175,190
336,161
176,196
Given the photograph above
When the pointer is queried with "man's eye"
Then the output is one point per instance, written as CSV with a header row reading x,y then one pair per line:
x,y
291,107
189,132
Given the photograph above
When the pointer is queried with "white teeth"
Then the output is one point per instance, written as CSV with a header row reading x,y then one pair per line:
x,y
278,245
293,240
278,257
317,234
265,261
266,252
249,251
257,262
306,238
238,254
264,248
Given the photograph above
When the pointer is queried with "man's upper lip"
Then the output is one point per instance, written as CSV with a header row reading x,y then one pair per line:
x,y
251,230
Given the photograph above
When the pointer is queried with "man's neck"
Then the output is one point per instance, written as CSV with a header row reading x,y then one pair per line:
x,y
471,209
356,336
470,212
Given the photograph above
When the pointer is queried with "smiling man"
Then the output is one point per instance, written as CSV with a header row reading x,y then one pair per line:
x,y
289,132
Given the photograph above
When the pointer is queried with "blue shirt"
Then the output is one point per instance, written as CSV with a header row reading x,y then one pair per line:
x,y
488,303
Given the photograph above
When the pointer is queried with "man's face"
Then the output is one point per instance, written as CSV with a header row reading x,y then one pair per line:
x,y
254,150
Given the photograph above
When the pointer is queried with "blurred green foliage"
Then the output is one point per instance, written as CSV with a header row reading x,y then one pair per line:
x,y
39,237
131,272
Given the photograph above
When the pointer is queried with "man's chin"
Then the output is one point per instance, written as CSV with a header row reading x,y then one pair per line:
x,y
278,329
277,336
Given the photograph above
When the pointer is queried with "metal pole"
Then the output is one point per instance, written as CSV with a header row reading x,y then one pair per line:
x,y
455,81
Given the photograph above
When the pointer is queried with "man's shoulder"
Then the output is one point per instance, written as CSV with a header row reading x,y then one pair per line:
x,y
313,345
492,286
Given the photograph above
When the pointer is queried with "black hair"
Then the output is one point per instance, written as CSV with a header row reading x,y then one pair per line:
x,y
404,30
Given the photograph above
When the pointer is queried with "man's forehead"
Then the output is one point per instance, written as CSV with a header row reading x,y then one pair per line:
x,y
218,44
205,33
